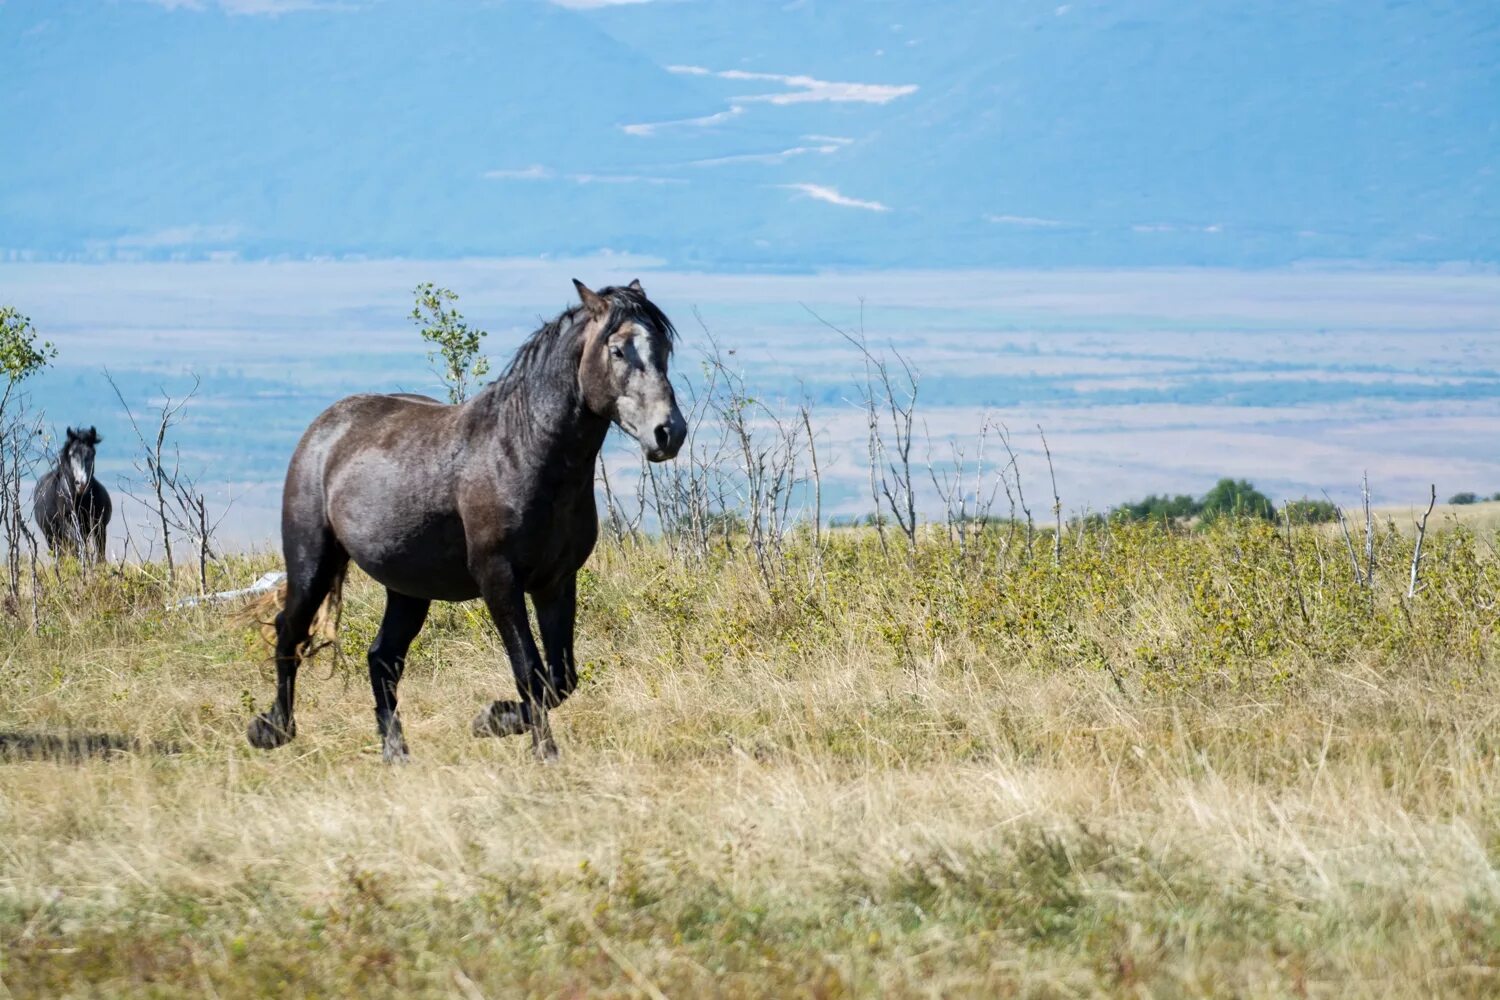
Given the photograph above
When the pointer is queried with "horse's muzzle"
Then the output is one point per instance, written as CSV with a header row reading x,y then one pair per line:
x,y
666,438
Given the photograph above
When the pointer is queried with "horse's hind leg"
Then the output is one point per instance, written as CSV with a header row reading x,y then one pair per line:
x,y
403,619
312,571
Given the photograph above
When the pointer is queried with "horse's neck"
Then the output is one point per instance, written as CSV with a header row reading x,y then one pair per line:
x,y
561,436
572,442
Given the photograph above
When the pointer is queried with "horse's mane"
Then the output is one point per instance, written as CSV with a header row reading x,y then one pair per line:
x,y
548,359
80,436
554,349
76,437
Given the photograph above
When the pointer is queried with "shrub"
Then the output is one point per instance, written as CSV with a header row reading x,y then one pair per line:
x,y
1236,498
1159,508
1307,511
453,340
1229,497
20,353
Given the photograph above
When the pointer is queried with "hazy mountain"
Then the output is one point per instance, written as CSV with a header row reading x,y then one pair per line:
x,y
719,134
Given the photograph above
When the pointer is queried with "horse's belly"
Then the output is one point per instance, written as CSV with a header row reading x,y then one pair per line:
x,y
414,553
435,580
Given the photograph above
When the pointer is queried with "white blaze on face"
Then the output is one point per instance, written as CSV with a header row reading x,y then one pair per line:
x,y
641,341
634,408
80,474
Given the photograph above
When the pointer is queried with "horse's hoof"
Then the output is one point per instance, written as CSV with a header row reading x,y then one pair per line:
x,y
267,734
393,748
501,718
546,752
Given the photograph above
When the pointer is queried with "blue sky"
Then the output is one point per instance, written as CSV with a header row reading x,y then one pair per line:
x,y
731,136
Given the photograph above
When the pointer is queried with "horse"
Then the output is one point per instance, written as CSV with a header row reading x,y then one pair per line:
x,y
70,506
491,498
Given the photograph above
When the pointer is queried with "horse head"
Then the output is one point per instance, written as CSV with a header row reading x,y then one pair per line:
x,y
623,370
78,458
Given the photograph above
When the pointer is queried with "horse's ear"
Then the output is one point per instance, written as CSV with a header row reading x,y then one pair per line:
x,y
635,286
94,434
592,300
72,434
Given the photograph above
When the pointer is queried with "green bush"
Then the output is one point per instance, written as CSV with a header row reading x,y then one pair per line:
x,y
454,342
21,355
1236,498
1159,508
1307,511
1228,498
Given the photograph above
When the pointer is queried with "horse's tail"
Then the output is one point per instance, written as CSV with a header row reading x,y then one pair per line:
x,y
325,626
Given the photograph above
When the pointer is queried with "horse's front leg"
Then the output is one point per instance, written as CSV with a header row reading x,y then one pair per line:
x,y
507,604
556,614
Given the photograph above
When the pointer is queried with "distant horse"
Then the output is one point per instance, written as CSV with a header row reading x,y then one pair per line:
x,y
70,506
491,498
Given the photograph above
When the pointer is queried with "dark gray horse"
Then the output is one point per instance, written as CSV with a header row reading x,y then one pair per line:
x,y
491,498
70,506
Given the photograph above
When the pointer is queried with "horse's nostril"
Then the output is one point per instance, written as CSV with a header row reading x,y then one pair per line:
x,y
663,435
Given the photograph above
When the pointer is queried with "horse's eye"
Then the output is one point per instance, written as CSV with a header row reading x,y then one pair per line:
x,y
616,350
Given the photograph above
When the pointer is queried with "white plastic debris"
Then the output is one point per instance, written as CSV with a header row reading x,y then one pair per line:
x,y
267,581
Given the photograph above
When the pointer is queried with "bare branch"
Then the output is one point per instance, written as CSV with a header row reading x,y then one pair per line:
x,y
1056,502
812,451
1415,587
1348,540
1369,534
1020,497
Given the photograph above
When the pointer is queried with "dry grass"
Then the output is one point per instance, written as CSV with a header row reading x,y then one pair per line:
x,y
874,781
1481,518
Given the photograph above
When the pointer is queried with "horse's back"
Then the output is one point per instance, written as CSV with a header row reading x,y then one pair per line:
x,y
377,472
382,419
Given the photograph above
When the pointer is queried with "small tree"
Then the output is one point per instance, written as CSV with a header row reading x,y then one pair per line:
x,y
20,354
1307,511
1461,499
1236,498
1159,508
454,341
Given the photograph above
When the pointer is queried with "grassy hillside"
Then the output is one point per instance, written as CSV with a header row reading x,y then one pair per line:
x,y
1480,518
1175,763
